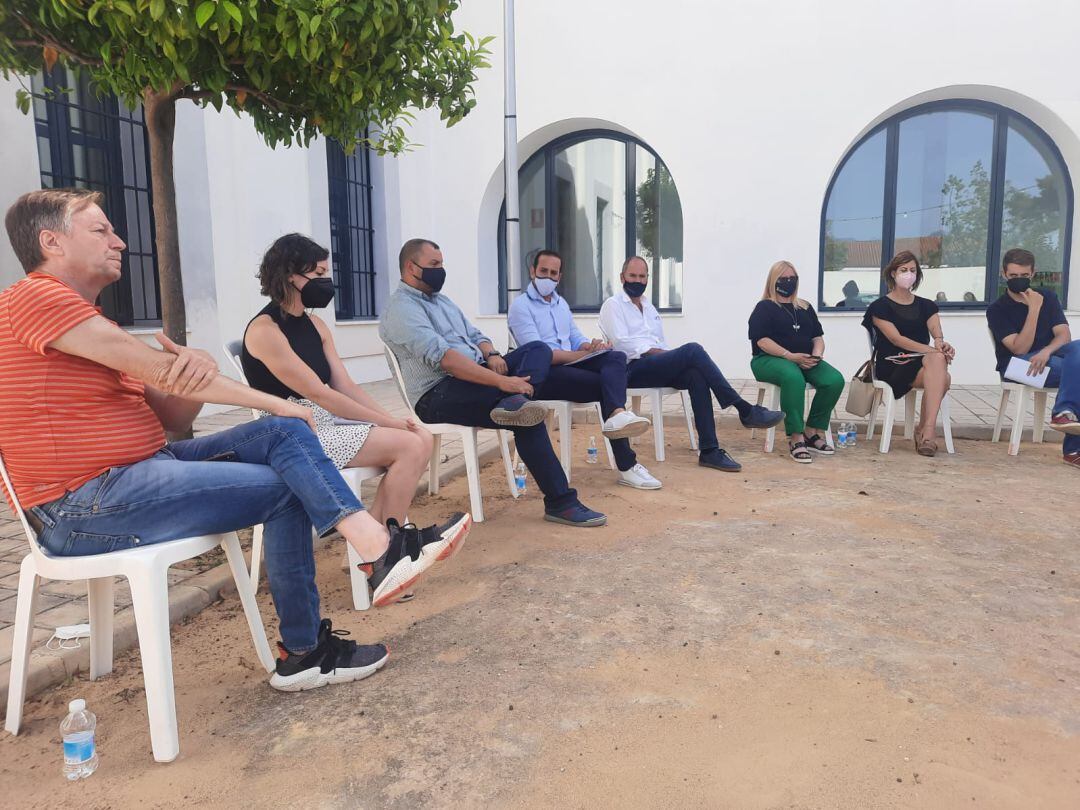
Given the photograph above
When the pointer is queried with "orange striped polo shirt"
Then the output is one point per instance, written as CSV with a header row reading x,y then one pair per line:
x,y
63,419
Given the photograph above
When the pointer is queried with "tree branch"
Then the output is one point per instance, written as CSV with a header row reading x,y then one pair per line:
x,y
44,40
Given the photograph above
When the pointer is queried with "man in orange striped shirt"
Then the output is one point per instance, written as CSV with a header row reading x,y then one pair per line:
x,y
84,407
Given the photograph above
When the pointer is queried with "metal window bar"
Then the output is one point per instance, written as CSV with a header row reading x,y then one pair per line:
x,y
92,141
351,231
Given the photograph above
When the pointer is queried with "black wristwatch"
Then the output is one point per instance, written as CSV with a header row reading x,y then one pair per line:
x,y
493,353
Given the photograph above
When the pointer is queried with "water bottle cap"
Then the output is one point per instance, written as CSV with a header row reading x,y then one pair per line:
x,y
77,705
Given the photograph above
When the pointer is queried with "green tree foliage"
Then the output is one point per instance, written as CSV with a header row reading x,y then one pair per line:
x,y
297,67
659,216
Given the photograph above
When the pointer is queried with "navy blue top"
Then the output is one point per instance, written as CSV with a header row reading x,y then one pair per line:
x,y
778,321
305,340
1006,317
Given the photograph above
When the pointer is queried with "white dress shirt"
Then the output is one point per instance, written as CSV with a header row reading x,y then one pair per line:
x,y
631,330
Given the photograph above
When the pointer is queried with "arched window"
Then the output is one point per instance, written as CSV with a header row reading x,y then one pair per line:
x,y
957,183
598,197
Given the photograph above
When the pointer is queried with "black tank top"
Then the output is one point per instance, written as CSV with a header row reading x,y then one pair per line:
x,y
303,337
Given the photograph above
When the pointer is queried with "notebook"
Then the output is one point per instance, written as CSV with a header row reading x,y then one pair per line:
x,y
589,356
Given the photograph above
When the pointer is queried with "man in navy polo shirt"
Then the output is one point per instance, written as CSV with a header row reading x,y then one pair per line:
x,y
1031,325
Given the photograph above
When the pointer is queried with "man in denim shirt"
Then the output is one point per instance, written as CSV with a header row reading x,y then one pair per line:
x,y
452,373
542,314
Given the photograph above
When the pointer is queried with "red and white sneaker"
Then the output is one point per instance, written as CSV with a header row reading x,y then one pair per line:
x,y
1066,422
412,552
1072,459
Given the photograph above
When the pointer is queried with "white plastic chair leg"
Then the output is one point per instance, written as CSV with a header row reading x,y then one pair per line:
x,y
760,400
887,422
871,418
688,414
1040,416
635,406
656,403
607,442
1018,422
946,424
150,600
434,465
99,596
910,403
361,593
566,436
774,404
256,555
1002,406
25,610
472,472
507,459
245,589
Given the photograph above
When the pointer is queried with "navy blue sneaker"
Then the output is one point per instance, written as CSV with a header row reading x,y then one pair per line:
x,y
762,417
576,515
719,459
517,410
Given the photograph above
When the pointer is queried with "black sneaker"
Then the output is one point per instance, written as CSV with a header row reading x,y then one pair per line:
x,y
334,660
441,541
719,459
396,570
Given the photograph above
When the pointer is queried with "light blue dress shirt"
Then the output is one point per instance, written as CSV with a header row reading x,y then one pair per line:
x,y
532,318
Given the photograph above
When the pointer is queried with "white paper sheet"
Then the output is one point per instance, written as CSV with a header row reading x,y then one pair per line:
x,y
1017,371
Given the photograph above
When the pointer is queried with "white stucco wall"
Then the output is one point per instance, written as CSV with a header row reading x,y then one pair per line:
x,y
752,107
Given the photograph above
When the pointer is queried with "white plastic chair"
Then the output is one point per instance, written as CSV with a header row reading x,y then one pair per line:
x,y
772,391
883,393
468,443
656,407
1022,391
562,410
354,477
147,570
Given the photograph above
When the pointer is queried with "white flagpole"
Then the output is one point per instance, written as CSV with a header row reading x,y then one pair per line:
x,y
510,159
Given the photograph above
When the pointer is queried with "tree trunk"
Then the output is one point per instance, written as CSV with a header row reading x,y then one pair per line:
x,y
160,112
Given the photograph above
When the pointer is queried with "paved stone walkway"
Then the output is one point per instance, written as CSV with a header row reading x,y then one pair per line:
x,y
64,603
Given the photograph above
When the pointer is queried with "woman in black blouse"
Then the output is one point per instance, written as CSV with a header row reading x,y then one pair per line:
x,y
900,324
788,345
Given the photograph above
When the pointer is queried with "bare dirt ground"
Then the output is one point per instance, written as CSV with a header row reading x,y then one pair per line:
x,y
868,632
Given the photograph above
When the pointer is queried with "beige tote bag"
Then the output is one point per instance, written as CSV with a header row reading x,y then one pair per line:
x,y
860,398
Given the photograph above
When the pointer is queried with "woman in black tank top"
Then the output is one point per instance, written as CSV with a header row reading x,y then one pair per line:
x,y
291,354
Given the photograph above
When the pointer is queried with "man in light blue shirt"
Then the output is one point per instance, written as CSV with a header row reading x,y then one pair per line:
x,y
540,313
452,373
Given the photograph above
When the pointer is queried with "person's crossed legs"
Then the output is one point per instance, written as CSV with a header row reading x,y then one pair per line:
x,y
1064,375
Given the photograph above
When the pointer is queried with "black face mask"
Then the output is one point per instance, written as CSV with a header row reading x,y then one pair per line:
x,y
1019,285
434,277
317,293
787,286
635,289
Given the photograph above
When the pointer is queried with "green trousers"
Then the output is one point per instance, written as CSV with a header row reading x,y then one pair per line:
x,y
826,380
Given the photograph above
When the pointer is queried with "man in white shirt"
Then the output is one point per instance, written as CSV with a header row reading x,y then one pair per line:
x,y
632,324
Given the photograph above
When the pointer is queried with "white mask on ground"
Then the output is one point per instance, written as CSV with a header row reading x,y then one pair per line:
x,y
71,634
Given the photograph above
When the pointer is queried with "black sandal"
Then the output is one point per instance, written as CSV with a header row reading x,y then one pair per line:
x,y
799,453
818,444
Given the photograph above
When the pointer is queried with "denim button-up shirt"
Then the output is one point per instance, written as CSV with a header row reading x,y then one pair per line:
x,y
419,329
532,318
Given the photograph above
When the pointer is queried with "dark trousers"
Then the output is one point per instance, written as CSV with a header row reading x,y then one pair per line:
x,y
687,368
465,403
600,379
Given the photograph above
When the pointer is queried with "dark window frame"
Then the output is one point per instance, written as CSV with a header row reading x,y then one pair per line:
x,y
891,126
546,153
352,233
116,300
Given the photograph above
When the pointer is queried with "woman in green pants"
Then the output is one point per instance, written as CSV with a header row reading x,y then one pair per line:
x,y
788,346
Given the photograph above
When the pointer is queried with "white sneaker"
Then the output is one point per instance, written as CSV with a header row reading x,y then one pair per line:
x,y
638,478
625,425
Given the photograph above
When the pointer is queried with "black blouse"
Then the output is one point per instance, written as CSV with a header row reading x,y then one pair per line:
x,y
303,337
791,327
910,321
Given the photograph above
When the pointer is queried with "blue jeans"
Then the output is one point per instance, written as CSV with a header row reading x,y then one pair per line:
x,y
688,368
600,379
465,403
1064,375
271,471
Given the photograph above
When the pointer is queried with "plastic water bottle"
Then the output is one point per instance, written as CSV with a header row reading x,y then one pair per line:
x,y
852,434
77,729
519,477
593,455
